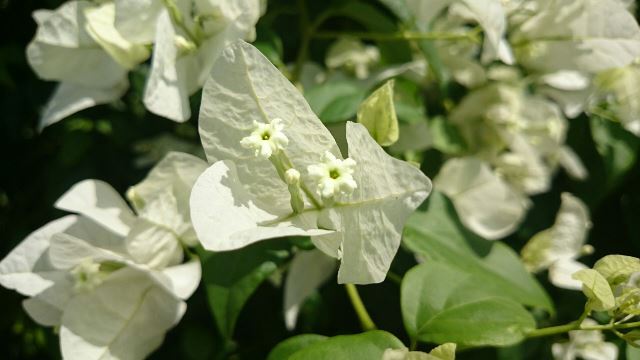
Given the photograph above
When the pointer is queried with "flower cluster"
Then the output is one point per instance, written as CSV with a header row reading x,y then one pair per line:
x,y
112,280
89,47
305,187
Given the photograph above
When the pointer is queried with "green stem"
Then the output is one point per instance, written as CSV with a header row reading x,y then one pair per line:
x,y
358,306
553,330
308,31
303,52
395,36
176,17
394,277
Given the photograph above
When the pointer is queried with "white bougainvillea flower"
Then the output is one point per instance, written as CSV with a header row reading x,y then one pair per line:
x,y
489,14
242,198
185,52
308,271
136,19
563,36
266,139
70,45
557,248
333,176
569,88
446,351
621,87
521,134
485,203
163,196
585,344
353,55
87,274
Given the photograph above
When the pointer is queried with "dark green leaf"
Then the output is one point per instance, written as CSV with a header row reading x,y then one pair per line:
x,y
618,148
337,100
368,345
446,137
231,277
375,20
287,348
437,235
441,303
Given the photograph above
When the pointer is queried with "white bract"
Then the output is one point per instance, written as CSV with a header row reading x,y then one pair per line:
x,y
73,41
558,247
90,46
353,55
189,36
585,344
485,203
113,282
564,35
621,89
308,271
242,198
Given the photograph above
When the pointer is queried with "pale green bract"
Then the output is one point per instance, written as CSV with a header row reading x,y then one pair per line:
x,y
378,114
617,268
242,198
445,351
597,289
557,248
111,280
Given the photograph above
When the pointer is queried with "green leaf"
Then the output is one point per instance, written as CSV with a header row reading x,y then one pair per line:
x,y
373,19
618,148
437,235
336,100
409,101
231,277
270,45
616,269
446,137
378,114
633,340
287,348
597,289
633,353
368,345
441,303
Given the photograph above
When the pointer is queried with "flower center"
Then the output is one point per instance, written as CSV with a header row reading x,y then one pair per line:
x,y
334,173
266,135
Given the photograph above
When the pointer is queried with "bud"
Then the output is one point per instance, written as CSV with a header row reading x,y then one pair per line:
x,y
292,176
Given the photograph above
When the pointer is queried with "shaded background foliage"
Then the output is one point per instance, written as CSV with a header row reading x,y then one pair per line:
x,y
99,143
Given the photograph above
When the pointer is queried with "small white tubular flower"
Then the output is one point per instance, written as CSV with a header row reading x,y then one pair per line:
x,y
266,139
334,176
87,275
